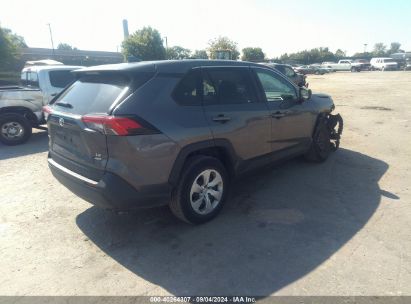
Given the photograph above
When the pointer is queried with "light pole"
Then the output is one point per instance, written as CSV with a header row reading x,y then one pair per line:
x,y
51,38
365,47
166,42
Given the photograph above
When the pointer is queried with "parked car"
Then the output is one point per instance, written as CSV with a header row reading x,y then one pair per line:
x,y
298,78
403,60
50,79
383,64
324,68
347,65
145,134
364,65
21,106
309,69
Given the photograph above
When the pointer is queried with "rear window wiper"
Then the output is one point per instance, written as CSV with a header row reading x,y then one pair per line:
x,y
64,104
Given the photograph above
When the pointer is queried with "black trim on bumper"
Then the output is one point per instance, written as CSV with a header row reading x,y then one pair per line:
x,y
111,191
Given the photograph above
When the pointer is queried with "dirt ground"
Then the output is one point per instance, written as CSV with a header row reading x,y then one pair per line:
x,y
338,228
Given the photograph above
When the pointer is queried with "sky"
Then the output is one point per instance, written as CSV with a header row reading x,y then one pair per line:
x,y
276,26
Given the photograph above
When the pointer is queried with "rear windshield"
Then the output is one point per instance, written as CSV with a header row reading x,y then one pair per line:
x,y
29,78
92,94
61,78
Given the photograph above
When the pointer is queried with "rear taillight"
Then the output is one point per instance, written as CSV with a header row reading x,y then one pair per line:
x,y
115,125
47,110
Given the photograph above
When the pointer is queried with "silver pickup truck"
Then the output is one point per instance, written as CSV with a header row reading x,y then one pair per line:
x,y
21,106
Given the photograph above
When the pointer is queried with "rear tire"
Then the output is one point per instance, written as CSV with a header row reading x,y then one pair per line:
x,y
321,145
202,190
15,129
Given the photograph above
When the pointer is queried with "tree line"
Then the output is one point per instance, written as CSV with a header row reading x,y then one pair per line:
x,y
147,44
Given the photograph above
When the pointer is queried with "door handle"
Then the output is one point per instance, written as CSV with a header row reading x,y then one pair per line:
x,y
221,118
279,114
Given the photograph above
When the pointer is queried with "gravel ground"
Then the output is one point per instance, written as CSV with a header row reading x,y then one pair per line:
x,y
338,228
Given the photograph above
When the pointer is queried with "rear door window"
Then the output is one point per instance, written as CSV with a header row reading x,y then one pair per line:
x,y
61,79
92,94
188,91
228,86
29,78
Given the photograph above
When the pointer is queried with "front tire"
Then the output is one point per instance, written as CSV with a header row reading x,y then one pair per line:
x,y
15,129
202,190
321,145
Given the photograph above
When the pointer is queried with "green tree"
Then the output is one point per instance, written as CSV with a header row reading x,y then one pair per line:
x,y
65,47
362,55
340,54
177,52
222,44
379,49
253,54
200,54
395,48
316,55
10,49
144,44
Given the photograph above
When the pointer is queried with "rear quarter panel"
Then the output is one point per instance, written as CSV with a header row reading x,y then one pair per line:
x,y
155,154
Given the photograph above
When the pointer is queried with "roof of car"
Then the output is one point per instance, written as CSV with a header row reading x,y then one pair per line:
x,y
381,58
274,64
164,66
37,68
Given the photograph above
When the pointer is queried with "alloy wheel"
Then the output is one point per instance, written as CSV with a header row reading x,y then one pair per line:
x,y
206,191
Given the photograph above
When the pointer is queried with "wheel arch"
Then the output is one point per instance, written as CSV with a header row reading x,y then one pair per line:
x,y
218,148
26,112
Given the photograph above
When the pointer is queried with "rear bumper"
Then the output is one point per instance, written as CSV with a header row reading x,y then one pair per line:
x,y
111,191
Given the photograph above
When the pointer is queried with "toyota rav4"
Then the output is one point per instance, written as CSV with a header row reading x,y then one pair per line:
x,y
146,134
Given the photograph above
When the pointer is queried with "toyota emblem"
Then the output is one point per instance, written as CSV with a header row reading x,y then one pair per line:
x,y
61,121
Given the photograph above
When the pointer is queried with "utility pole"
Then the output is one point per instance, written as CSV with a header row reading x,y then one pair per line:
x,y
166,42
51,38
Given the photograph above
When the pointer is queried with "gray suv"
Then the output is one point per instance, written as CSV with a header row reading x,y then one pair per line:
x,y
146,134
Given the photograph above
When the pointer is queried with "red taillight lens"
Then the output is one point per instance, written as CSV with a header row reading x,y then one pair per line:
x,y
47,109
112,125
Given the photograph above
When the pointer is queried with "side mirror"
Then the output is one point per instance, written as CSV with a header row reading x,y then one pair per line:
x,y
305,94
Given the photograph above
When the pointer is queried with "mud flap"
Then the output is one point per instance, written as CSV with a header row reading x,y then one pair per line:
x,y
335,125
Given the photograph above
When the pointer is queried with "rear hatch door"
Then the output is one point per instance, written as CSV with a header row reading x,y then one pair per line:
x,y
73,144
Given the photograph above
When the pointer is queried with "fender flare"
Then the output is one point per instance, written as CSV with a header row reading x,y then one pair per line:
x,y
191,149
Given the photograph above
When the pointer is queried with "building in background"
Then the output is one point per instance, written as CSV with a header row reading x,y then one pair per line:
x,y
71,57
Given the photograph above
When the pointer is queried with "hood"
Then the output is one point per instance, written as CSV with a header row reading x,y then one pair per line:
x,y
323,102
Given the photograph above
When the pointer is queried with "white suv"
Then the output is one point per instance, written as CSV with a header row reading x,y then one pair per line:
x,y
383,64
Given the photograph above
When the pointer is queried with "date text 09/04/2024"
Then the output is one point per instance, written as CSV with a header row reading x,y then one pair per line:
x,y
173,299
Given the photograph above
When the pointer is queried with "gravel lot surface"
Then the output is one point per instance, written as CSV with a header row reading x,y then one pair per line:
x,y
338,228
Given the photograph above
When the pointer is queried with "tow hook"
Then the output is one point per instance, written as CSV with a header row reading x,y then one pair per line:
x,y
335,125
